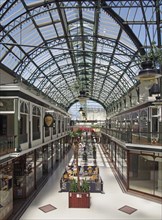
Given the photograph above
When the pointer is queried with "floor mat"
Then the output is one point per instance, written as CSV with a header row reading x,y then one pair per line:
x,y
47,208
127,209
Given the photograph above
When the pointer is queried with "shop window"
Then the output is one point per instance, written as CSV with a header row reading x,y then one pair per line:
x,y
62,126
154,125
24,108
54,127
36,123
154,122
135,119
39,170
7,105
3,124
23,119
143,122
29,172
144,173
6,189
59,123
23,122
154,111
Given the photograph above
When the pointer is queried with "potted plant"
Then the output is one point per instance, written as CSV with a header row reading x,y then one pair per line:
x,y
79,195
79,199
153,56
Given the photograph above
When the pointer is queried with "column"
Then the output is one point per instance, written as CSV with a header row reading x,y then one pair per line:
x,y
16,125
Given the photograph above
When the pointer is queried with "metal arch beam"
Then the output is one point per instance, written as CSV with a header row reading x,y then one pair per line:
x,y
82,34
99,66
6,7
64,22
75,101
71,72
125,27
40,34
50,44
69,83
40,49
59,58
96,27
121,76
159,28
111,59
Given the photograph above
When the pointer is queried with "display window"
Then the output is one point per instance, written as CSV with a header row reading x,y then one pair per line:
x,y
6,189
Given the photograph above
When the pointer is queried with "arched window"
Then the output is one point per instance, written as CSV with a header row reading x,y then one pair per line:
x,y
24,112
36,119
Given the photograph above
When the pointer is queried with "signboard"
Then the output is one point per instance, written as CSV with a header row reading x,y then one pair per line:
x,y
48,120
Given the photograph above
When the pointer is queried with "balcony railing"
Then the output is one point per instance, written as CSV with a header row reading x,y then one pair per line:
x,y
135,137
6,145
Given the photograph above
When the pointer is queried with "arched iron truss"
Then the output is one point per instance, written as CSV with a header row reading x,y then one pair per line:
x,y
61,48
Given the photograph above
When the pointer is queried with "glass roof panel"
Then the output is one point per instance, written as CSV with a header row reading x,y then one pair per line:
x,y
17,9
107,26
78,43
48,34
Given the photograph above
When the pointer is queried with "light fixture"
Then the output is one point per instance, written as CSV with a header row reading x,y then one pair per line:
x,y
148,72
158,101
154,90
83,114
82,97
81,110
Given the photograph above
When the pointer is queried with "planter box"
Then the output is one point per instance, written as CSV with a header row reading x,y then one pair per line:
x,y
79,199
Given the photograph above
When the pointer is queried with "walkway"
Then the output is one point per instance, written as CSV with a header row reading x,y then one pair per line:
x,y
103,206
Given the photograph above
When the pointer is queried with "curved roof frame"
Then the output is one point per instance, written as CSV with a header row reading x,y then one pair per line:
x,y
92,46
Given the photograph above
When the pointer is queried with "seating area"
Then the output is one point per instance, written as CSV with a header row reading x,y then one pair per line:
x,y
87,168
90,173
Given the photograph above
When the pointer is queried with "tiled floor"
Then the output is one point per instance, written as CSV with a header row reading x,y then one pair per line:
x,y
103,206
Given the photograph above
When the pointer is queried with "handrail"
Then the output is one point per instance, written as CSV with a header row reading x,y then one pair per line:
x,y
135,137
6,145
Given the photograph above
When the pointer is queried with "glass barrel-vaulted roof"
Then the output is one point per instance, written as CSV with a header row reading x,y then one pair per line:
x,y
64,47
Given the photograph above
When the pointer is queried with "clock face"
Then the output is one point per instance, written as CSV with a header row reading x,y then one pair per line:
x,y
48,121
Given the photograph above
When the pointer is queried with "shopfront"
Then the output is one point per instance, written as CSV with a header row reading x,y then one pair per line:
x,y
6,189
145,173
139,168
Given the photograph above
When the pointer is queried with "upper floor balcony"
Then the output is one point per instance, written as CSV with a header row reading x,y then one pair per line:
x,y
128,136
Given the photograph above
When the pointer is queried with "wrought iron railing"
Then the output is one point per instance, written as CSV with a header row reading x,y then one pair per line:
x,y
6,145
135,137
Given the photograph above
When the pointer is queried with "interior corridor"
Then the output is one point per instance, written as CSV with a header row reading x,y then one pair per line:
x,y
104,205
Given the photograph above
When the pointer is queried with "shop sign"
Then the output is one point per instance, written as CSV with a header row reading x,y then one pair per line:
x,y
48,120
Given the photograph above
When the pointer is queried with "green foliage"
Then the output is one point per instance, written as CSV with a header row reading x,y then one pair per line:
x,y
85,187
73,186
154,54
75,134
